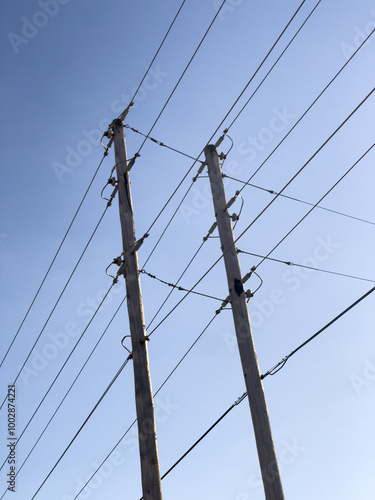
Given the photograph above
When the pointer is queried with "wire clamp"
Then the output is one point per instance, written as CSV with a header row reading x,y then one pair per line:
x,y
240,399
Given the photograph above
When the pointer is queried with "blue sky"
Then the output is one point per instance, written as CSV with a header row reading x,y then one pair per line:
x,y
69,70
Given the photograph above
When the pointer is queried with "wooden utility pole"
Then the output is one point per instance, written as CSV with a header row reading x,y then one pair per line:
x,y
151,483
257,401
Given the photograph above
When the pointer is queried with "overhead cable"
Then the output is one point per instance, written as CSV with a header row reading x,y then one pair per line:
x,y
293,264
281,363
61,369
271,191
57,252
152,62
82,426
308,109
59,298
316,204
70,387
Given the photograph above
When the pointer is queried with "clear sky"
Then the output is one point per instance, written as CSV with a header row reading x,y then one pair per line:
x,y
69,69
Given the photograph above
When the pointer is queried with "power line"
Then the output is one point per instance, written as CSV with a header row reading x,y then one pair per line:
x,y
307,162
288,263
183,74
57,252
59,298
159,143
177,287
281,363
271,191
70,388
322,198
61,369
272,67
308,109
153,59
82,426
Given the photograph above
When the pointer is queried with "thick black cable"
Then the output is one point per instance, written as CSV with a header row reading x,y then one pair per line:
x,y
61,369
68,391
55,256
236,403
155,56
281,363
271,191
294,264
59,298
311,209
308,109
84,423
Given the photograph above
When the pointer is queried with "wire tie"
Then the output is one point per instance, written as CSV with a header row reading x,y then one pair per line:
x,y
240,399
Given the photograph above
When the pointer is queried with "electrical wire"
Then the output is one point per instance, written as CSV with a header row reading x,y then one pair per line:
x,y
308,109
183,74
59,298
260,66
272,67
281,363
61,369
236,403
56,254
159,143
153,59
82,426
321,199
68,391
271,191
288,263
176,287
